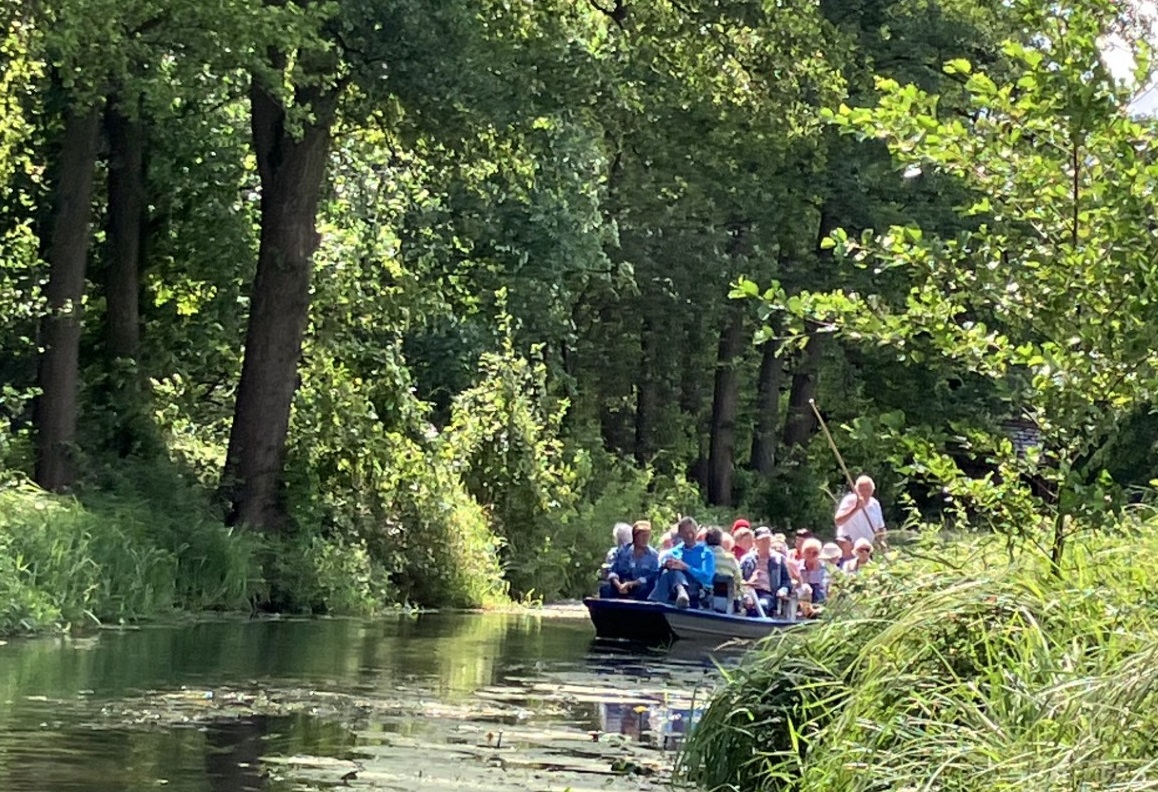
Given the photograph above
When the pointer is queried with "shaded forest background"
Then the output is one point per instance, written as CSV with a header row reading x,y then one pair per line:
x,y
333,305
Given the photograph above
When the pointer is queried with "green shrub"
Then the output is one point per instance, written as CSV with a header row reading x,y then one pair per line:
x,y
960,671
216,567
355,484
313,574
450,556
504,437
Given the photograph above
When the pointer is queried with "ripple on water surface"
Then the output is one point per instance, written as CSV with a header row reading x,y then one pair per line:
x,y
434,702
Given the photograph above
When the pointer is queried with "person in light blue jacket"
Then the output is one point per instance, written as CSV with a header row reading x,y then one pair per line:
x,y
686,569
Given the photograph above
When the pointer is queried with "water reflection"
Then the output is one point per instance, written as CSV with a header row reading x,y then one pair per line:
x,y
233,754
272,705
657,724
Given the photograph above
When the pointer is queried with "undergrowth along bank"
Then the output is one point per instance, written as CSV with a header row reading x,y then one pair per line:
x,y
113,557
959,670
140,540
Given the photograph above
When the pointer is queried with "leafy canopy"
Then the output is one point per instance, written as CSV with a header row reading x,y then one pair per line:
x,y
1049,296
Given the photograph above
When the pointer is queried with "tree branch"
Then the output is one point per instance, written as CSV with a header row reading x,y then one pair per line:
x,y
617,14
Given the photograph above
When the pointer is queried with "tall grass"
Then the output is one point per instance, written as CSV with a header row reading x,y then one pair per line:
x,y
956,672
66,561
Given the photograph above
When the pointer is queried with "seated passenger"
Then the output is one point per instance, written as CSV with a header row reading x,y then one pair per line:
x,y
863,552
742,536
766,573
830,554
621,535
780,546
813,575
685,570
635,567
802,535
726,563
728,542
846,554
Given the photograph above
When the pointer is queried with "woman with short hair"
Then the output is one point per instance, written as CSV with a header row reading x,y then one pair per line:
x,y
862,551
813,588
635,568
621,535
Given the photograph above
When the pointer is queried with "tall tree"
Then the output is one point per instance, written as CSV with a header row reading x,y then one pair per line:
x,y
725,406
291,163
56,409
416,71
126,51
699,154
126,227
764,434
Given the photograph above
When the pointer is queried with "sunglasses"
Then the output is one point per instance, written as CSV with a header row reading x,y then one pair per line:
x,y
864,550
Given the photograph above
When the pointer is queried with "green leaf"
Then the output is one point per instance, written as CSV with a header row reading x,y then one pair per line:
x,y
958,66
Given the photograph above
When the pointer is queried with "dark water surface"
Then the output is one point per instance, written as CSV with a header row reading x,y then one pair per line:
x,y
436,702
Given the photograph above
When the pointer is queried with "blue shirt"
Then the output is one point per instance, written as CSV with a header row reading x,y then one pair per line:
x,y
626,566
700,560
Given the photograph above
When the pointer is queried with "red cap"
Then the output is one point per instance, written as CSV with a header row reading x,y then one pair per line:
x,y
740,523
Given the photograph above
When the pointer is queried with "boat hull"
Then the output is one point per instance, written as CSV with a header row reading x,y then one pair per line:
x,y
629,620
655,622
708,625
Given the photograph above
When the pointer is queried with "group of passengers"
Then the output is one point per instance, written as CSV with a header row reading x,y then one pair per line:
x,y
746,570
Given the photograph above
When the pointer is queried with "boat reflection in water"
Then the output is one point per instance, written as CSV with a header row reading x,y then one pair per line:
x,y
654,723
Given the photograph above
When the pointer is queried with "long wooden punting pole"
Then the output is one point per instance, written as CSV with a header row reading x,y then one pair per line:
x,y
832,445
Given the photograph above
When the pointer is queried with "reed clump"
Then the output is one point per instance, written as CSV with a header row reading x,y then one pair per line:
x,y
67,562
961,670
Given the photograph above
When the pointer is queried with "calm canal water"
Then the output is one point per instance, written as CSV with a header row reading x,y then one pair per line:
x,y
435,702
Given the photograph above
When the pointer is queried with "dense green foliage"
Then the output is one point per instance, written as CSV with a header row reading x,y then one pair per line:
x,y
954,669
410,304
1044,305
983,665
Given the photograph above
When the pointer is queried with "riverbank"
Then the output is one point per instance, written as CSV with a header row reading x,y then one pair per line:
x,y
114,557
959,665
68,565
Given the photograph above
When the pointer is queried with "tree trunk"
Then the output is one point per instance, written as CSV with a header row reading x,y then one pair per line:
x,y
767,408
690,378
60,332
645,396
613,382
291,168
800,423
725,404
126,230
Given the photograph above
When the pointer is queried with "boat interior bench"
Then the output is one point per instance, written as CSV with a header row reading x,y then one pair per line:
x,y
724,599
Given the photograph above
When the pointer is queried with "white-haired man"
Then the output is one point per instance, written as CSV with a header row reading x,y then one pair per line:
x,y
859,514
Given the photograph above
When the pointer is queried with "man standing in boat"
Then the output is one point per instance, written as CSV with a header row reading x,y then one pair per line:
x,y
685,569
859,514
